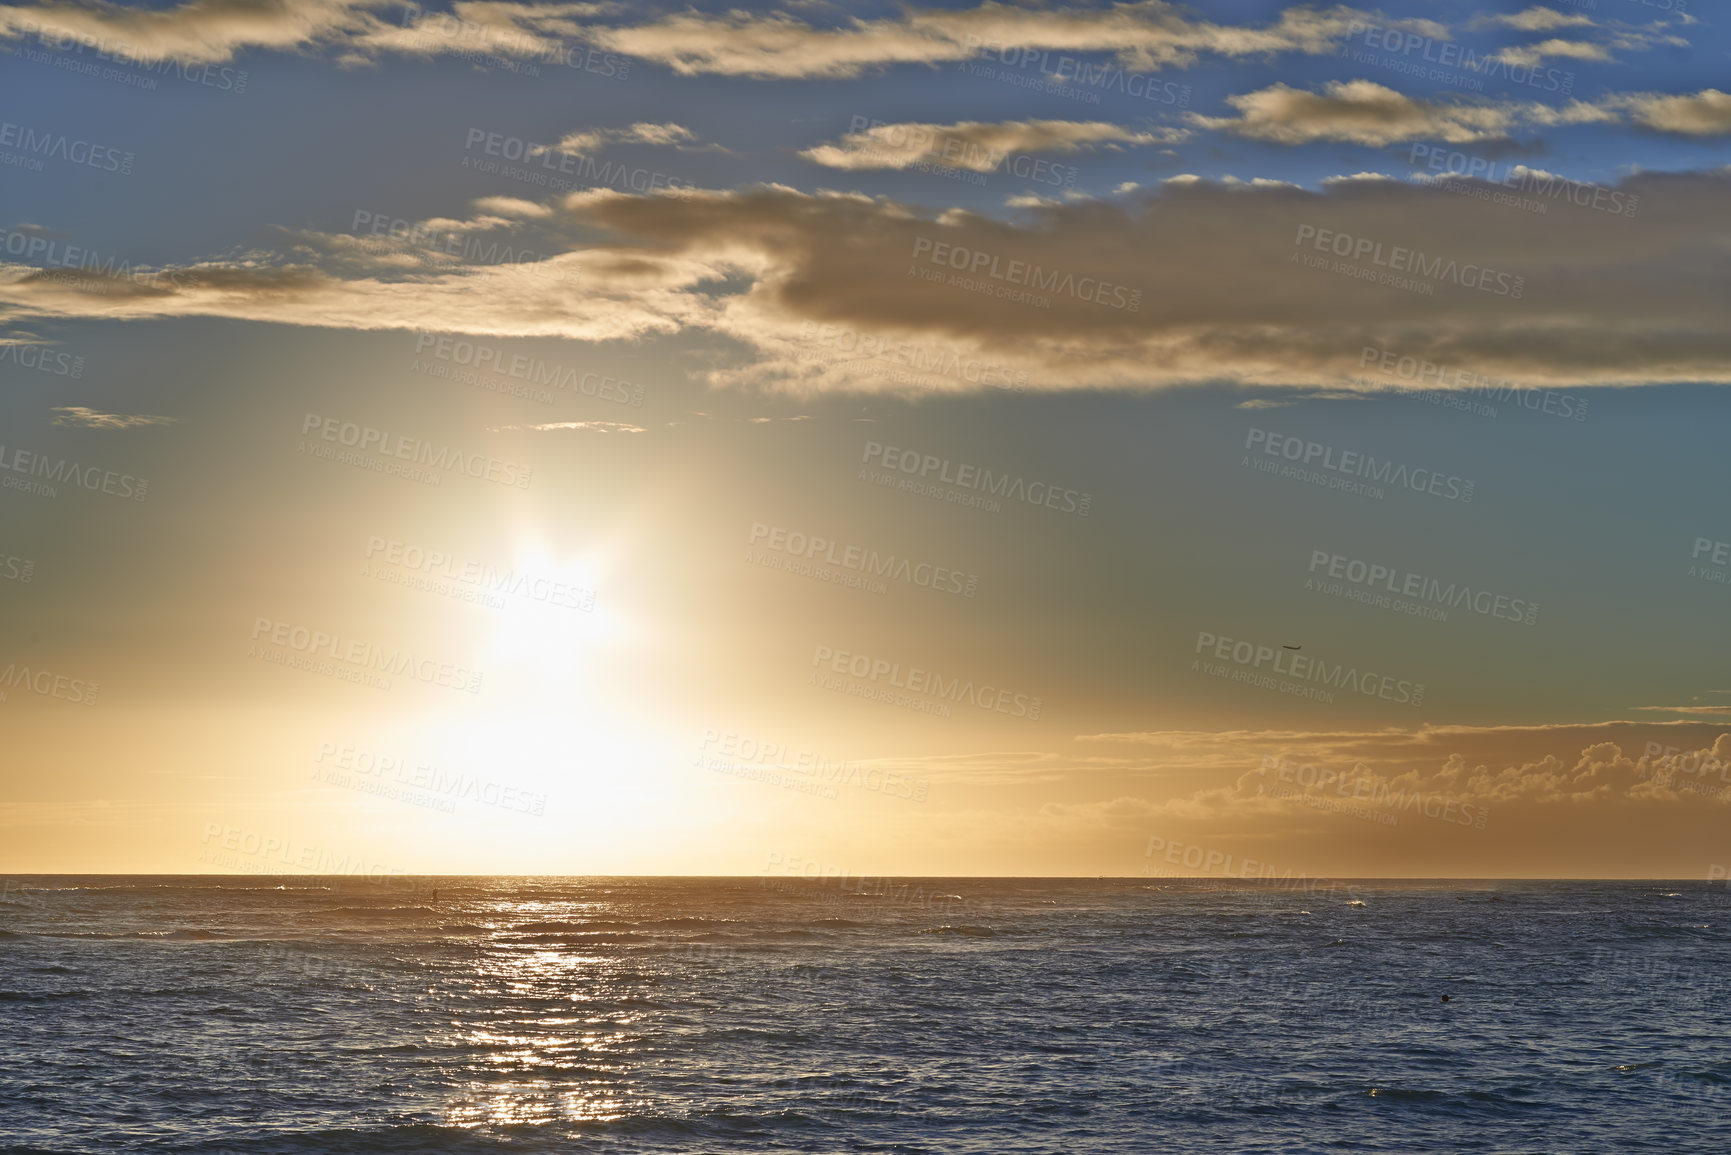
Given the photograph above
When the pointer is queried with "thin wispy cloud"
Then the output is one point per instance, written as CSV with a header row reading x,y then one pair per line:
x,y
1367,113
79,416
975,146
571,427
593,140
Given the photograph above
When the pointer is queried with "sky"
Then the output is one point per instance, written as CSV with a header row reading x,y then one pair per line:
x,y
978,439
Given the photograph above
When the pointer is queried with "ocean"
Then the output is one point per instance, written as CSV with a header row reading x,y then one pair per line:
x,y
320,1014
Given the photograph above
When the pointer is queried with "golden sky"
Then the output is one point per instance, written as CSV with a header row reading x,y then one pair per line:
x,y
974,439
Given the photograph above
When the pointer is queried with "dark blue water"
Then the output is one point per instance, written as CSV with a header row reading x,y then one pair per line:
x,y
734,1015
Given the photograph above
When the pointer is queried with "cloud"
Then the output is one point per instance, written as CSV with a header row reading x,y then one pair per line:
x,y
1289,774
973,145
1615,35
78,415
1560,764
593,140
1616,798
1532,55
499,27
577,426
512,207
1537,19
200,31
357,31
1360,111
1221,290
1146,35
1367,113
1706,113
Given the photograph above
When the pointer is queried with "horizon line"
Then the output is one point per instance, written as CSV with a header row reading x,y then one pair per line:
x,y
825,878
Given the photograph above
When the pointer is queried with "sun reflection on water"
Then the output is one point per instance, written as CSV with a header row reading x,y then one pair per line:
x,y
541,1102
550,1030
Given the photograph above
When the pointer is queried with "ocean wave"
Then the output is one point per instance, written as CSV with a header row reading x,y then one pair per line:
x,y
573,938
153,887
194,935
